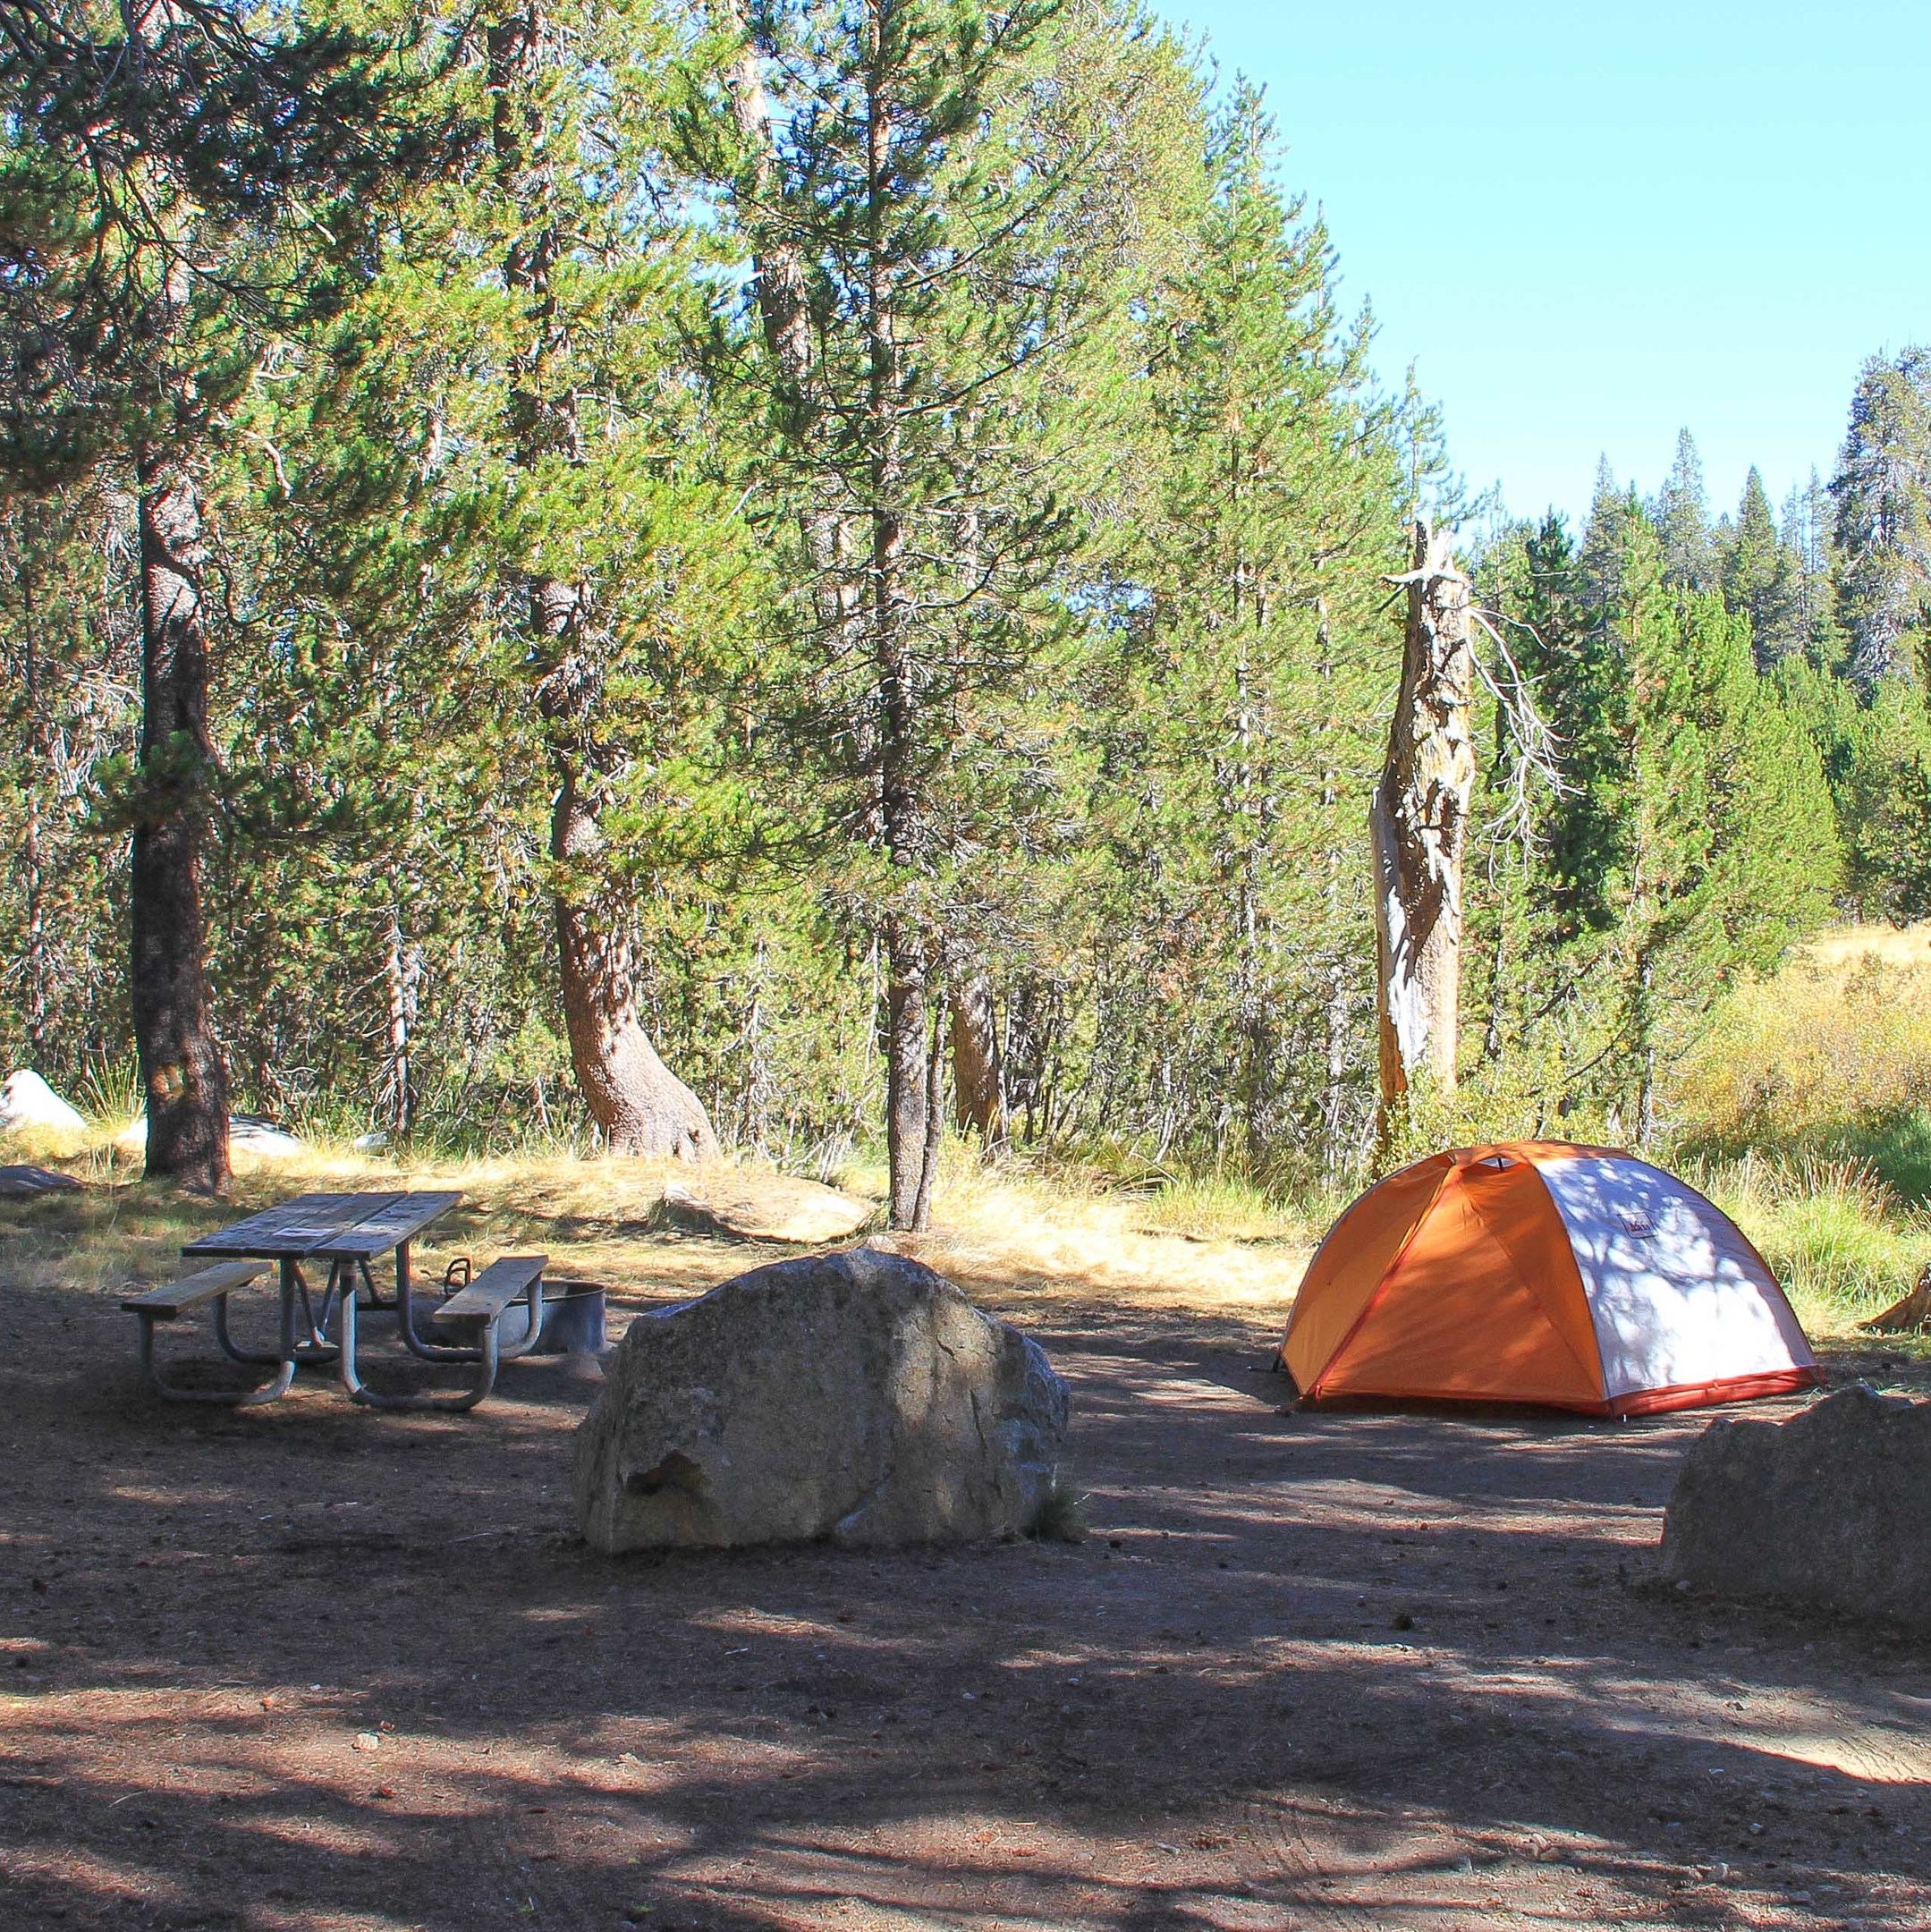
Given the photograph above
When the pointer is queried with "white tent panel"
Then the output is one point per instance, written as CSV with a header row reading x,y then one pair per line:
x,y
1678,1296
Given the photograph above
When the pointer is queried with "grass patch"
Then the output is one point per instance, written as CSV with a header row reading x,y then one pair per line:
x,y
1062,1513
999,1232
1220,1207
1842,1244
1830,1058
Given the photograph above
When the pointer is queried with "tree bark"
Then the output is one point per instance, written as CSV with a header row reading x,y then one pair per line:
x,y
909,969
639,1105
1420,824
403,969
183,1073
40,986
979,1071
928,1159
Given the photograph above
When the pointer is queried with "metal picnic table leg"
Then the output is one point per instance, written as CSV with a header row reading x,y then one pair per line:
x,y
485,1358
316,1348
260,1357
228,1398
406,1319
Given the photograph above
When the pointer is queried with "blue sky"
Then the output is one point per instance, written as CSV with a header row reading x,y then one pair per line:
x,y
1591,226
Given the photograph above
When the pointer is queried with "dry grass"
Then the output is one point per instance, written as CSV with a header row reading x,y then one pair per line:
x,y
1057,1237
1023,1236
1806,1112
1849,946
1841,1243
1835,1046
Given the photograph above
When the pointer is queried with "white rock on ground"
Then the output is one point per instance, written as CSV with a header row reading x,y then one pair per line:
x,y
28,1102
248,1133
855,1396
772,1208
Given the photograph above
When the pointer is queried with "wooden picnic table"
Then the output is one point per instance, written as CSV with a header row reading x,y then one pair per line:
x,y
348,1232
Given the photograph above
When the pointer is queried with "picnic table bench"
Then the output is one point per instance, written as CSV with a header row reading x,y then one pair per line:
x,y
476,1311
348,1232
176,1297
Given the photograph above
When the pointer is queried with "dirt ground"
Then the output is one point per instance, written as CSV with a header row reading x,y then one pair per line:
x,y
313,1667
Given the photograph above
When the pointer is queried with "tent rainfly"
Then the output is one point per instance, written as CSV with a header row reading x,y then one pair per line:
x,y
1533,1271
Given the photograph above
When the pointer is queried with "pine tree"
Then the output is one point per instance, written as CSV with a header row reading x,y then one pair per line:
x,y
924,288
1244,660
175,185
1682,516
1730,845
1760,576
1883,494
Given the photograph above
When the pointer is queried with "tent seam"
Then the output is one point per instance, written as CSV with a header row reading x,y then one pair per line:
x,y
1599,1374
1381,1287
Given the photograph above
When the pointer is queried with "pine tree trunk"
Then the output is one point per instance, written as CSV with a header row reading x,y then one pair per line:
x,y
1420,824
182,1072
907,1075
928,1162
38,1003
901,819
402,969
979,1071
638,1104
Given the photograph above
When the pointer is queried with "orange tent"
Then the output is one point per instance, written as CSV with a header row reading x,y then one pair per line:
x,y
1537,1272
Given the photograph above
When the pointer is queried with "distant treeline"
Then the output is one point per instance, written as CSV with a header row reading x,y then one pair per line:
x,y
761,570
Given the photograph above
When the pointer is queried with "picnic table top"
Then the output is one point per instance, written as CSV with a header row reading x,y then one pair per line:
x,y
340,1226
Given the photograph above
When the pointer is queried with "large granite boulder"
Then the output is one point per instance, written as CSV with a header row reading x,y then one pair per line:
x,y
1831,1509
855,1396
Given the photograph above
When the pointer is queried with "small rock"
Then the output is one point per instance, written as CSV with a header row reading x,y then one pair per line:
x,y
367,1741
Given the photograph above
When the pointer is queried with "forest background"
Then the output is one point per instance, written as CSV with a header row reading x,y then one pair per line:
x,y
799,577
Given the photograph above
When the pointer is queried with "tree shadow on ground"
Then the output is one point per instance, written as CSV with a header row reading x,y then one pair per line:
x,y
312,1666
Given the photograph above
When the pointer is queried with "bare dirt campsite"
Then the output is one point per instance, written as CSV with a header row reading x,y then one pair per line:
x,y
323,1669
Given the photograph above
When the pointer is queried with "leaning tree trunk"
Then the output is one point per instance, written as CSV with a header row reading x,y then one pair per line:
x,y
1910,1315
641,1106
1420,822
979,1078
638,1104
183,1073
